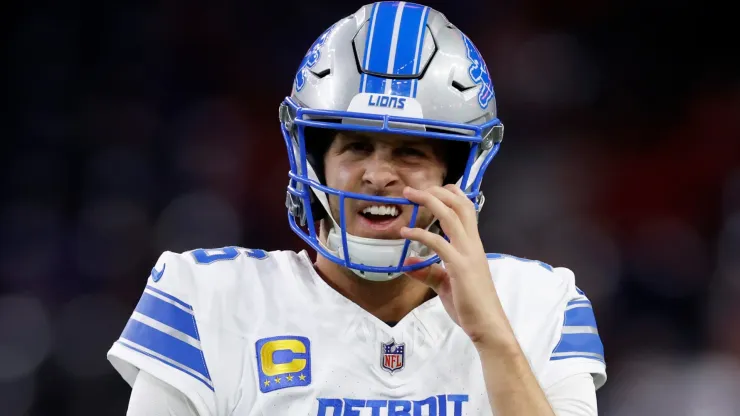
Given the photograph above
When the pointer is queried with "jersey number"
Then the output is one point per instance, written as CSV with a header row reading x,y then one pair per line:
x,y
207,256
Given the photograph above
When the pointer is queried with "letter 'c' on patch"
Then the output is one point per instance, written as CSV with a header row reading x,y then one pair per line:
x,y
283,362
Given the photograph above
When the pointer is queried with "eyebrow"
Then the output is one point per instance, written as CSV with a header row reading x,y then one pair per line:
x,y
405,140
357,136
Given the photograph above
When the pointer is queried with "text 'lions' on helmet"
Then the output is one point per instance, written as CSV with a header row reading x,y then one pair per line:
x,y
392,67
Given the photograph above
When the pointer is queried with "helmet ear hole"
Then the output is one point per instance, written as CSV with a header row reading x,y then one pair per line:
x,y
318,211
457,160
317,141
454,154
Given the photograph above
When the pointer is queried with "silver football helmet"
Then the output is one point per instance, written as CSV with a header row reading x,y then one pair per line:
x,y
389,67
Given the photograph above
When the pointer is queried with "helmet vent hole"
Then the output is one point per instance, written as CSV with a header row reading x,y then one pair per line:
x,y
456,85
323,73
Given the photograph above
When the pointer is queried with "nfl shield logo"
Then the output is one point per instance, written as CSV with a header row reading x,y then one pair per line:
x,y
392,356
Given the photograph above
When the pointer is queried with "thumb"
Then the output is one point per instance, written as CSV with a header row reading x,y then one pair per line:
x,y
433,275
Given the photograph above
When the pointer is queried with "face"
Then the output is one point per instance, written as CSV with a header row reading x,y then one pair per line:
x,y
381,165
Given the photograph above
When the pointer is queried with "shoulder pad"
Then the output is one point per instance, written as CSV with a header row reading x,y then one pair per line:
x,y
496,256
531,282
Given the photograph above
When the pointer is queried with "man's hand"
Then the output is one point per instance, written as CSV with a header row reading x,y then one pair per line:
x,y
464,284
468,294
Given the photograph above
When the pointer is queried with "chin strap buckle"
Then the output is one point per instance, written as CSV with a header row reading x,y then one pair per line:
x,y
295,208
479,201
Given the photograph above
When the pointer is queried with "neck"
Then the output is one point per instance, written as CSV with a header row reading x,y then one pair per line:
x,y
388,301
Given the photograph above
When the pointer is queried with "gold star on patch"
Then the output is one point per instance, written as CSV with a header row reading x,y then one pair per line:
x,y
267,382
290,378
302,377
277,380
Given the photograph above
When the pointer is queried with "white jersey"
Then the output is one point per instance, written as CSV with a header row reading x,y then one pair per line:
x,y
249,332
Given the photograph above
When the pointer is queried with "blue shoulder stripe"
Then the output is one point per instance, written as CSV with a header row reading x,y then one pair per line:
x,y
580,315
163,327
579,344
166,345
580,334
165,361
170,314
584,302
170,297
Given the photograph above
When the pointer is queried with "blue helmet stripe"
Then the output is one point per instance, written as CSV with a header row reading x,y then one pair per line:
x,y
395,41
420,47
374,84
377,51
409,47
405,62
393,45
368,44
382,36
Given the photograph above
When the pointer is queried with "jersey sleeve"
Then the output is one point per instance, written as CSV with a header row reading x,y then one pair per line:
x,y
152,396
162,338
577,347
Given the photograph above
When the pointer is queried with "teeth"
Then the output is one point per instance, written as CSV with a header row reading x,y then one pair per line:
x,y
381,210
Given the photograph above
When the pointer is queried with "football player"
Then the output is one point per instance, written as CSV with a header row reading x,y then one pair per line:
x,y
389,128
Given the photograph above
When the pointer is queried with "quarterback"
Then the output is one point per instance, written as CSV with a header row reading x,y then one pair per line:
x,y
389,128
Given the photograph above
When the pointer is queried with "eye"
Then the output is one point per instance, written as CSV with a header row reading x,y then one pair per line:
x,y
358,146
411,151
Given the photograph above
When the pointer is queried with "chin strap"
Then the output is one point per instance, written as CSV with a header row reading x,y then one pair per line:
x,y
374,252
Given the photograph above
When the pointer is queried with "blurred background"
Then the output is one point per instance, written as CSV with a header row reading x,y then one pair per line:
x,y
137,127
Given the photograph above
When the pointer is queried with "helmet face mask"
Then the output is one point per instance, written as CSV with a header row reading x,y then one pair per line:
x,y
336,89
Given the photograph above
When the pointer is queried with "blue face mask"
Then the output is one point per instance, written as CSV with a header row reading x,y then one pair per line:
x,y
372,259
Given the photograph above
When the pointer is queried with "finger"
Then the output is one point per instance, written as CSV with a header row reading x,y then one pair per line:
x,y
433,275
447,217
434,241
468,215
456,199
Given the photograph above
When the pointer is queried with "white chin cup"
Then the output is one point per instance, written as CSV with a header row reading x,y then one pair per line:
x,y
374,252
366,251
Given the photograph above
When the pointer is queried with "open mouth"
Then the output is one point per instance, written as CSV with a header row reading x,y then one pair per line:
x,y
381,218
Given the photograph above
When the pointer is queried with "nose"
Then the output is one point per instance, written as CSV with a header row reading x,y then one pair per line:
x,y
380,173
